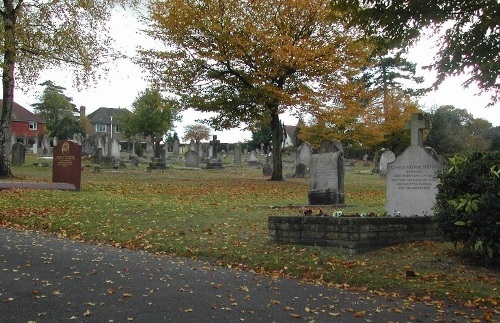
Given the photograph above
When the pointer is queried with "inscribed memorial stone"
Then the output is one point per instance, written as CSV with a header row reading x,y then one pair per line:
x,y
327,176
412,177
67,163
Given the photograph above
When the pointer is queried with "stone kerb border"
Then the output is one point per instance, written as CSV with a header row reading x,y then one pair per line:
x,y
352,235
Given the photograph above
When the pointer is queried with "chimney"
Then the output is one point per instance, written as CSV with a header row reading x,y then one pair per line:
x,y
82,111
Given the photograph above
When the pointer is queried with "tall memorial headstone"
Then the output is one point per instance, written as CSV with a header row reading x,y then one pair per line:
x,y
214,162
327,175
175,151
192,146
412,177
67,163
237,154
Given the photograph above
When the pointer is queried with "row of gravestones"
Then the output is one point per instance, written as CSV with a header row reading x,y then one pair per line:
x,y
411,178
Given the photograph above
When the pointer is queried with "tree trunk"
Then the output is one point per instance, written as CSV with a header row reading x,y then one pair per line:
x,y
9,59
277,139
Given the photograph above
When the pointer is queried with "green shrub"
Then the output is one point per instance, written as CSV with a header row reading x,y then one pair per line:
x,y
468,203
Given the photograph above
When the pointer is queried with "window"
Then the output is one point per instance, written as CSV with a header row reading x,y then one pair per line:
x,y
33,125
100,127
117,129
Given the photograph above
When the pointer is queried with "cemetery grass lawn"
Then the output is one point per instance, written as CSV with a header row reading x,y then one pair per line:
x,y
221,215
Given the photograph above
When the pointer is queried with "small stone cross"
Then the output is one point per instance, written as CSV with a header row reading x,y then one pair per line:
x,y
417,126
215,144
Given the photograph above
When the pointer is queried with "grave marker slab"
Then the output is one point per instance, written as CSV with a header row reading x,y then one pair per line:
x,y
18,154
67,163
192,159
327,176
412,177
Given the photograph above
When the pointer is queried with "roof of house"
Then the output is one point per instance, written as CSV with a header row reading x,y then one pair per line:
x,y
22,114
103,115
291,132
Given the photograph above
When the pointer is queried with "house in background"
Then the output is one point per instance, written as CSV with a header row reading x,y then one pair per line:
x,y
291,136
25,124
106,121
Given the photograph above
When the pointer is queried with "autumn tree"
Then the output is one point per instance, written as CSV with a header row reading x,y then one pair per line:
x,y
197,132
250,61
58,112
467,31
152,116
36,35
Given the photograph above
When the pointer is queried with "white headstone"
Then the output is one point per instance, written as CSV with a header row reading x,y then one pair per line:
x,y
386,158
115,148
412,177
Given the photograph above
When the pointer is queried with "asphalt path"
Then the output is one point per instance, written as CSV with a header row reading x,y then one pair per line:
x,y
49,279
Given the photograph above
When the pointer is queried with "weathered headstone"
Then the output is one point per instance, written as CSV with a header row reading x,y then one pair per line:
x,y
192,159
237,154
303,155
386,158
300,171
115,148
46,151
267,170
252,159
214,161
175,151
18,154
262,148
35,145
327,175
192,145
412,177
67,163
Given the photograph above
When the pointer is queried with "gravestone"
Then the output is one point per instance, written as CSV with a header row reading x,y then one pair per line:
x,y
327,175
200,151
35,145
67,163
214,162
18,154
303,158
300,171
192,159
237,154
252,159
262,149
386,158
175,151
267,170
192,145
115,148
412,177
46,146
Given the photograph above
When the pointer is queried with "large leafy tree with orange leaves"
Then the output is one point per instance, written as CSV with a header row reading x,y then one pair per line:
x,y
250,61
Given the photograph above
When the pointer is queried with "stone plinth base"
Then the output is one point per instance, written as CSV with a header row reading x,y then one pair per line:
x,y
351,235
326,198
214,164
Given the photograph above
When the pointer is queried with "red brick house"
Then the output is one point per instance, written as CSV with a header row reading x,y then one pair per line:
x,y
25,123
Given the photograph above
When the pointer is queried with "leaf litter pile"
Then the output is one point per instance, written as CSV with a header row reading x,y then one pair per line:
x,y
222,216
